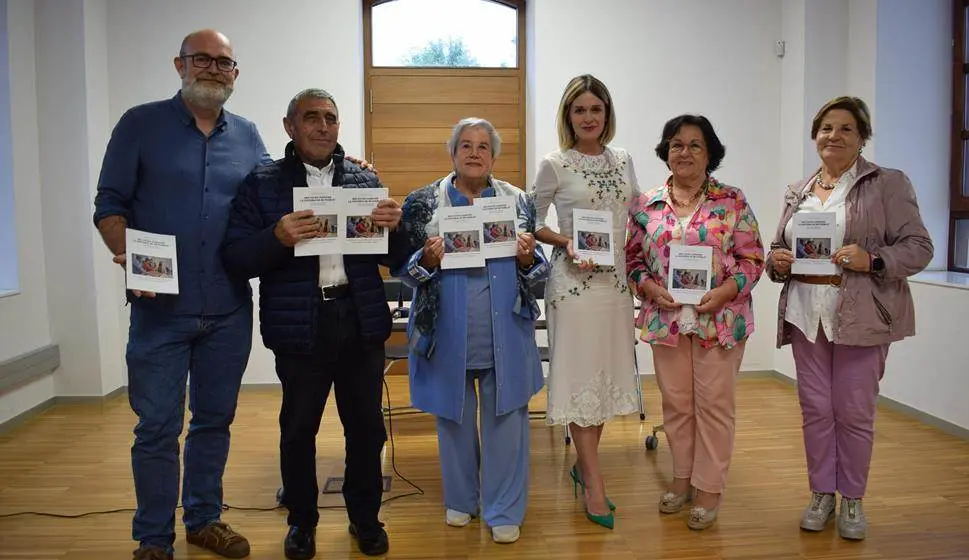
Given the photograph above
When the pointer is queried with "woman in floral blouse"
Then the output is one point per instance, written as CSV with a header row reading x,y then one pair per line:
x,y
697,350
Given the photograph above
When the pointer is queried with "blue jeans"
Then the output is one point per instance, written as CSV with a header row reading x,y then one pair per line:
x,y
162,350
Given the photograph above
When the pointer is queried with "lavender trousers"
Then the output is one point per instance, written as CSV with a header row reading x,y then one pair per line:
x,y
837,386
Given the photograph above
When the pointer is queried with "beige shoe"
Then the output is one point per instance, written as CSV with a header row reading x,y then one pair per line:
x,y
505,534
701,518
818,512
671,503
852,524
456,518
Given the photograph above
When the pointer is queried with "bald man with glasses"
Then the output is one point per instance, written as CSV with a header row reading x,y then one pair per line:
x,y
172,167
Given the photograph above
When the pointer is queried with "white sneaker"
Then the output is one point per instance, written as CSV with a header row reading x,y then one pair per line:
x,y
456,518
505,534
852,524
819,512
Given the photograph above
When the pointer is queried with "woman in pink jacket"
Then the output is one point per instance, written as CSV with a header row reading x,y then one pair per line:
x,y
696,349
839,326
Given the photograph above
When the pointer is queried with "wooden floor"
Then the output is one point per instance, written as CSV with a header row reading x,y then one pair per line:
x,y
75,458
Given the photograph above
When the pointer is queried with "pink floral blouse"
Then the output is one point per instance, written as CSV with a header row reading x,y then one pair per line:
x,y
725,222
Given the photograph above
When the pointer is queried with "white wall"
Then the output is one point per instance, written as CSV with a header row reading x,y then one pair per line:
x,y
907,84
831,51
118,53
862,59
65,193
310,45
282,48
654,72
24,323
928,372
914,92
108,277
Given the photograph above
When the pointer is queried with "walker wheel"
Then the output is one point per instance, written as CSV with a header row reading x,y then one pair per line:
x,y
652,442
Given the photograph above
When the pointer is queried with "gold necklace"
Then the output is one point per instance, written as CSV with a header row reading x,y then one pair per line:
x,y
687,203
823,185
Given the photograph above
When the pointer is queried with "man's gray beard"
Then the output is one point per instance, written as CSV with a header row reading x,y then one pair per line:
x,y
206,96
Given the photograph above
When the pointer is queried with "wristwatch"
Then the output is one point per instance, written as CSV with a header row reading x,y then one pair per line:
x,y
877,263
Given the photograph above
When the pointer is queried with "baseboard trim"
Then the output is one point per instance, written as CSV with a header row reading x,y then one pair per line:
x,y
23,369
25,416
89,399
895,406
36,411
262,387
927,419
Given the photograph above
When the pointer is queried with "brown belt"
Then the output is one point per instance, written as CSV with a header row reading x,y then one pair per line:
x,y
834,280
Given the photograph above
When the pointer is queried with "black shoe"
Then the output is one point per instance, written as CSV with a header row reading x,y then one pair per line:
x,y
300,543
372,543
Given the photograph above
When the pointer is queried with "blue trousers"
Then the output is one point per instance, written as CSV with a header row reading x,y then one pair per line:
x,y
162,350
496,469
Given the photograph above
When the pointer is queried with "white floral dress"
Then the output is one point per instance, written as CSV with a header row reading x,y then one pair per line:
x,y
590,313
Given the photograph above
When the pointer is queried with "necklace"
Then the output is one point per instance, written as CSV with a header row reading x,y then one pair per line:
x,y
687,203
823,185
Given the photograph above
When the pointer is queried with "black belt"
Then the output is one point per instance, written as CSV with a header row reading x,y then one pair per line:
x,y
335,292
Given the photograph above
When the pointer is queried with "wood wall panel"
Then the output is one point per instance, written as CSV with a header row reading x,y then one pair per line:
x,y
445,89
437,136
440,115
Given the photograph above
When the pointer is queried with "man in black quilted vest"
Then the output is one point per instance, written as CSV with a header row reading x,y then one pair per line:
x,y
324,317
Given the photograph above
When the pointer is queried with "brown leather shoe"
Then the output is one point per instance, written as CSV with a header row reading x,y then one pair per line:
x,y
152,553
220,539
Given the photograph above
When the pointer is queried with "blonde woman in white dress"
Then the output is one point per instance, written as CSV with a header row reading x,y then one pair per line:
x,y
590,308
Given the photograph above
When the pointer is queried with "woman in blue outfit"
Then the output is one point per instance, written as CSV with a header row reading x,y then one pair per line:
x,y
475,324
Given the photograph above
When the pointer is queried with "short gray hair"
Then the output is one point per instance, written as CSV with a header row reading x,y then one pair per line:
x,y
474,122
311,93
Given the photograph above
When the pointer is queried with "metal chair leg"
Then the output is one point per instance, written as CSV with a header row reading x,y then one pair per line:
x,y
639,385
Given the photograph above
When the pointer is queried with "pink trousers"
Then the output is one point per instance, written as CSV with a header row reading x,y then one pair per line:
x,y
697,385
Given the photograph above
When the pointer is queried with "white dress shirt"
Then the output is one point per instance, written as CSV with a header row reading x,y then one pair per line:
x,y
332,272
810,304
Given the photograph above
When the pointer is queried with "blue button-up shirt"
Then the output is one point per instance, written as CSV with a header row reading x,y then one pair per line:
x,y
164,176
481,346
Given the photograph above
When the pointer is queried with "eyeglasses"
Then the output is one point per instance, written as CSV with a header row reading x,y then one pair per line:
x,y
694,147
201,60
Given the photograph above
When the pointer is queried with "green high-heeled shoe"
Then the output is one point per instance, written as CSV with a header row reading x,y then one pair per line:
x,y
608,520
577,481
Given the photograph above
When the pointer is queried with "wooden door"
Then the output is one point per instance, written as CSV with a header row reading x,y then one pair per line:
x,y
411,110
